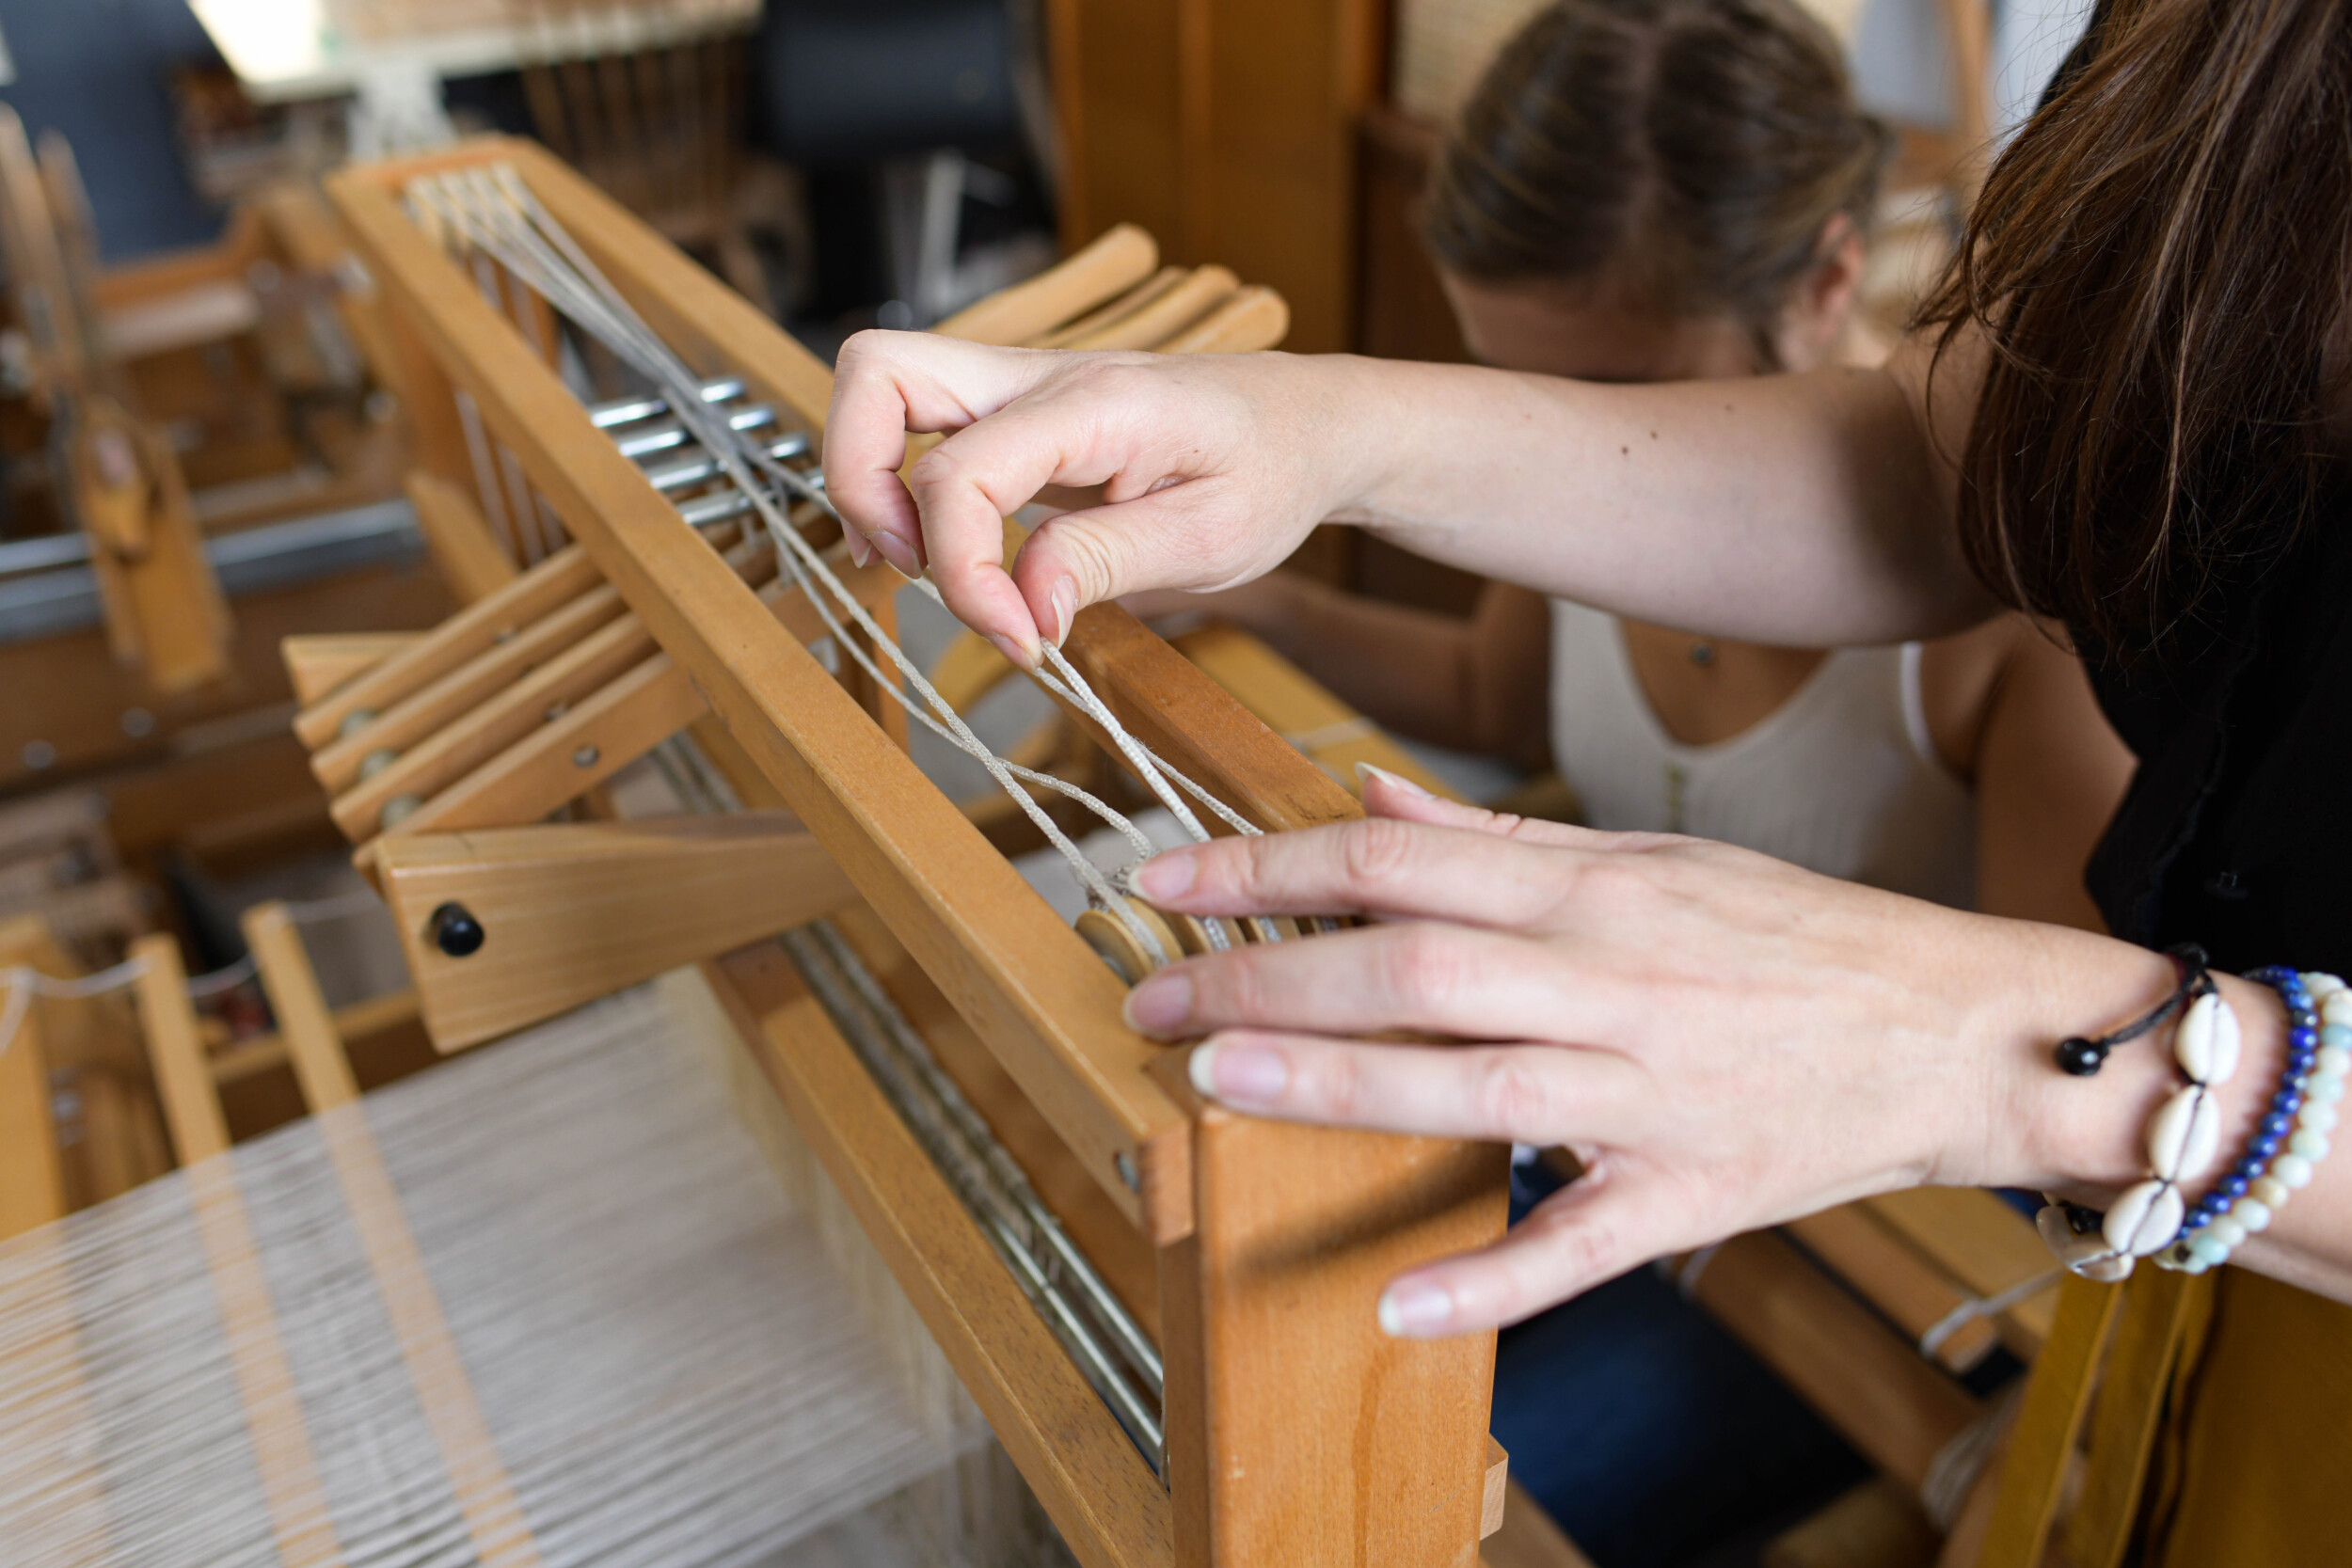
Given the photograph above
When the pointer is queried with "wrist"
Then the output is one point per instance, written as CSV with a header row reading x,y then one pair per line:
x,y
2088,1136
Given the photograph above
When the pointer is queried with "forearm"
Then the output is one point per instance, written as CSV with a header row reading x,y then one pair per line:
x,y
1792,509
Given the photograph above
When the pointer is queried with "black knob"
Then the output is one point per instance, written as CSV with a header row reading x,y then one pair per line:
x,y
455,931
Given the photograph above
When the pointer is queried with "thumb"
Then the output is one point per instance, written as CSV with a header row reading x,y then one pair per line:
x,y
1163,539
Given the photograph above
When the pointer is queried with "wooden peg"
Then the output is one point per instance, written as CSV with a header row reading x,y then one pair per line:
x,y
508,927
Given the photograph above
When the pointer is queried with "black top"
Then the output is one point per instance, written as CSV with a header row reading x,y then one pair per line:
x,y
2235,832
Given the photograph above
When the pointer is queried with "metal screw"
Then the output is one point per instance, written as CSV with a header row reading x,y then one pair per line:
x,y
396,808
1127,1168
137,723
585,757
376,761
356,719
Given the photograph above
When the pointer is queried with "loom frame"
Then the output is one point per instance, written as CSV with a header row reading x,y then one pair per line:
x,y
1297,1434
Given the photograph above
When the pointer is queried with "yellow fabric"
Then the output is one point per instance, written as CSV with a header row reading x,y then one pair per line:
x,y
2263,1441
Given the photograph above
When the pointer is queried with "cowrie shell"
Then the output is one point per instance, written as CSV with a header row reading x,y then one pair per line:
x,y
2207,1044
2184,1136
2144,1219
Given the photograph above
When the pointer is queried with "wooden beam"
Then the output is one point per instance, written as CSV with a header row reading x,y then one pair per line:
x,y
1118,258
32,1171
567,913
1297,1431
1097,1489
1898,1409
176,1048
303,1018
469,561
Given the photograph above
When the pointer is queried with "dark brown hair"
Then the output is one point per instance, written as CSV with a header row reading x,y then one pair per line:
x,y
2158,259
1691,148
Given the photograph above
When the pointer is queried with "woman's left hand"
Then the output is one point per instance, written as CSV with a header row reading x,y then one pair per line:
x,y
1726,1041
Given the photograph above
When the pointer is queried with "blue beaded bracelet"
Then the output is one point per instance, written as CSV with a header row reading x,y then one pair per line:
x,y
2292,1136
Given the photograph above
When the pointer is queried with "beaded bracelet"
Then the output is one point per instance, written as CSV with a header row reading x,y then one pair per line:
x,y
2182,1138
2292,1136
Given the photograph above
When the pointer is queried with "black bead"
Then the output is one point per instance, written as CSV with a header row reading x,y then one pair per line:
x,y
455,931
2078,1057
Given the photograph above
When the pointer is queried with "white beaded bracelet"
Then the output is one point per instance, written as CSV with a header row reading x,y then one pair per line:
x,y
2183,1137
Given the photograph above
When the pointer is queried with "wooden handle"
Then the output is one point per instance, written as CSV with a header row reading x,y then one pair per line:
x,y
1253,318
1123,256
1194,298
1133,300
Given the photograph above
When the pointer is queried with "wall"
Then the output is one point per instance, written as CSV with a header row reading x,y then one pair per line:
x,y
97,70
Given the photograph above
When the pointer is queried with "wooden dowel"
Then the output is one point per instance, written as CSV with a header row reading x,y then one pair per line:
x,y
1127,304
1252,318
1196,296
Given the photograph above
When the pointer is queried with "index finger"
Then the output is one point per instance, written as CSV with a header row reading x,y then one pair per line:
x,y
1376,865
888,384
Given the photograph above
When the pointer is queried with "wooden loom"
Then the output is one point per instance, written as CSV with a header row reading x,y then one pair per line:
x,y
1295,1433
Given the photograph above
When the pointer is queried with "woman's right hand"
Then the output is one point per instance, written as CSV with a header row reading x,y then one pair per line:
x,y
1213,468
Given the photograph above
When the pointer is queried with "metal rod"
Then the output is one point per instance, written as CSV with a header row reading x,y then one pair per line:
x,y
621,411
694,471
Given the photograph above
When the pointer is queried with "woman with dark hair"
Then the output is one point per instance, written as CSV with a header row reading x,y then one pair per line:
x,y
2131,409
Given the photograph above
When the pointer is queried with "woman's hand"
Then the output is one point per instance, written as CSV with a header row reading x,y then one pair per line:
x,y
1213,468
1724,1040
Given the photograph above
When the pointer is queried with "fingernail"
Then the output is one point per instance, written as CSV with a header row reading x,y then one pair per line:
x,y
1367,771
899,553
1160,1006
1238,1074
1065,598
1167,876
860,550
1415,1309
1011,650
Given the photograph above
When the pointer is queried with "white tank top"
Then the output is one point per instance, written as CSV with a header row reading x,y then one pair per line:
x,y
1842,777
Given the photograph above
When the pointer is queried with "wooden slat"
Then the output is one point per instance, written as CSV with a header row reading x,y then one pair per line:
x,y
317,663
303,1018
456,696
1294,706
1253,317
1045,1004
559,577
1899,1410
1983,1243
1528,1538
32,1175
1884,1271
1109,1506
191,1103
572,912
1101,316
